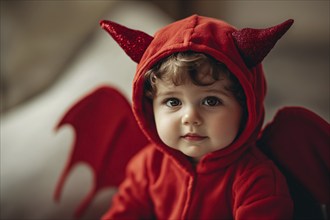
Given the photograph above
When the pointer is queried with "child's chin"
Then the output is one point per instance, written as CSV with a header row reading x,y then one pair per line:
x,y
194,155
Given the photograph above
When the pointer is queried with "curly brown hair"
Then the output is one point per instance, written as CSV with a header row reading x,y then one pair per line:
x,y
193,66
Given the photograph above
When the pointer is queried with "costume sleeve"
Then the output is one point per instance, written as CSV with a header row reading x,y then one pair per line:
x,y
262,193
132,200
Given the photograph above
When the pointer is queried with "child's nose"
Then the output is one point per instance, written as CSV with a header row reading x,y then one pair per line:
x,y
191,117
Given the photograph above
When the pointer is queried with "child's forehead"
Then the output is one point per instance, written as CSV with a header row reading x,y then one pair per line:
x,y
168,85
201,78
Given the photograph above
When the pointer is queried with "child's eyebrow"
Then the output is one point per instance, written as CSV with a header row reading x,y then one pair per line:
x,y
167,93
218,91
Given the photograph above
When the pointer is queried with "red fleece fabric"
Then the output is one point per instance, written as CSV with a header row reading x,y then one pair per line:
x,y
238,182
298,141
101,120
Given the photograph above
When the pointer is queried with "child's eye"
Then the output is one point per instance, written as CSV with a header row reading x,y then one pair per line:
x,y
172,102
211,101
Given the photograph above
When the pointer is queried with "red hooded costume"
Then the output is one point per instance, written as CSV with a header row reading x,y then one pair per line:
x,y
237,182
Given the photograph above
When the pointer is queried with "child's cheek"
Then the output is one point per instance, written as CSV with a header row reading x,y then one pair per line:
x,y
167,130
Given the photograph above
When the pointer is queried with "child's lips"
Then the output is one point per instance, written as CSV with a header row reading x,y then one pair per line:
x,y
193,137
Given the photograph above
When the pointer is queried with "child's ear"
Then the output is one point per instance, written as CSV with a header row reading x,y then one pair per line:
x,y
133,42
255,44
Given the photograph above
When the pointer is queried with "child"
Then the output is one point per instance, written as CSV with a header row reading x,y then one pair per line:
x,y
198,97
194,95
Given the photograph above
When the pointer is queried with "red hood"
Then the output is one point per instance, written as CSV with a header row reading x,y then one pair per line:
x,y
221,41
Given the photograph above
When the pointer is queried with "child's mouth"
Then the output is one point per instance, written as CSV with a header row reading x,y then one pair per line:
x,y
193,137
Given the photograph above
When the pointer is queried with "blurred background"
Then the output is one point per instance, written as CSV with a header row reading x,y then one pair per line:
x,y
54,52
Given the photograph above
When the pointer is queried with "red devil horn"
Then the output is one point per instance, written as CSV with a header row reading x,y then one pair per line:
x,y
133,42
255,44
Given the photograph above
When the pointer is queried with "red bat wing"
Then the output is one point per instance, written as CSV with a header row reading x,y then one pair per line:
x,y
107,136
298,141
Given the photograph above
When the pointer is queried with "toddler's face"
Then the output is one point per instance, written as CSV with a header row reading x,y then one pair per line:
x,y
196,120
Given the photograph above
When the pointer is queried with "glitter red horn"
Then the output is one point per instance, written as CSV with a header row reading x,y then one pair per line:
x,y
255,44
133,42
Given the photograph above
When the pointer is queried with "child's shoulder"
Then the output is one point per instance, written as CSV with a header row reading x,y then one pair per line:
x,y
258,176
255,165
149,152
148,156
148,162
256,171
